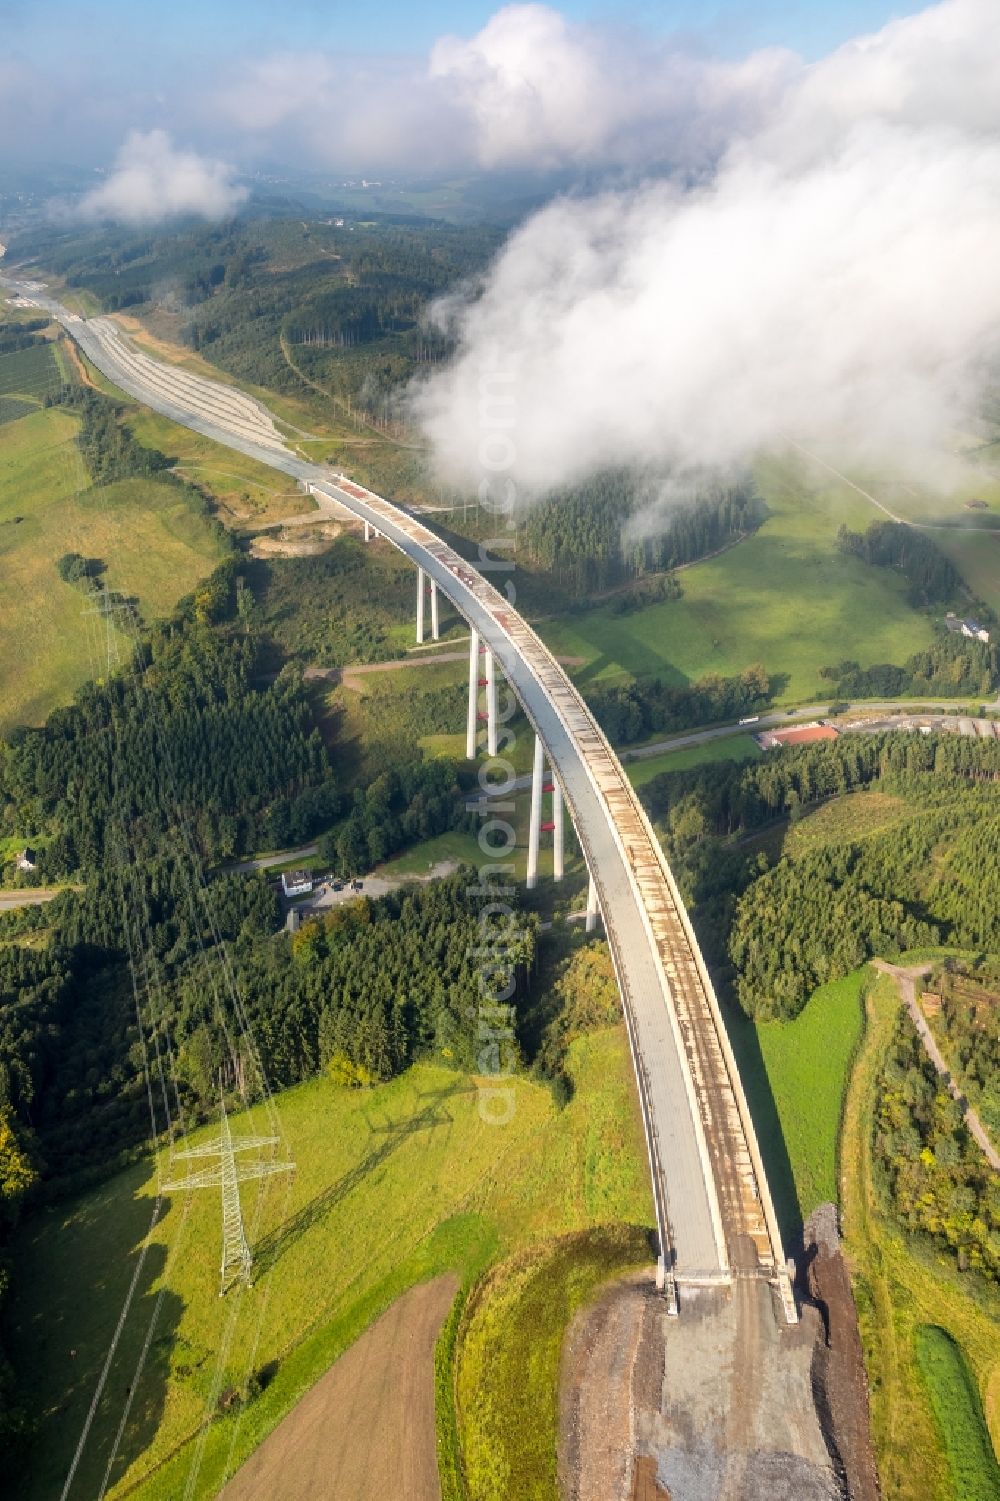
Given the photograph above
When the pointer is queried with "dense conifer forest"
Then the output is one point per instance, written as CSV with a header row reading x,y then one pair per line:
x,y
615,528
634,711
779,924
902,853
133,797
265,298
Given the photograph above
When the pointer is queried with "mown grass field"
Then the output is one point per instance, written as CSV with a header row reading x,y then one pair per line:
x,y
391,1186
898,1289
808,1062
726,748
977,558
455,845
975,1473
154,543
971,538
507,1356
422,701
31,373
462,846
785,597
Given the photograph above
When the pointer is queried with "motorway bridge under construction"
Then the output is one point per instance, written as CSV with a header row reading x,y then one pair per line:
x,y
715,1217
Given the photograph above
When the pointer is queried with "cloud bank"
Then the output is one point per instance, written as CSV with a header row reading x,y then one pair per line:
x,y
530,90
153,180
834,280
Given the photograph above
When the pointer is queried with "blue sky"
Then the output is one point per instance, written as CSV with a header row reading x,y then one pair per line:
x,y
333,83
171,30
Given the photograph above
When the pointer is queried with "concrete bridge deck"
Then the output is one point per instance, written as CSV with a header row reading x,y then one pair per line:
x,y
714,1211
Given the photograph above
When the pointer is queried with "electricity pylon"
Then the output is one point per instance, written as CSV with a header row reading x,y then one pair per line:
x,y
228,1174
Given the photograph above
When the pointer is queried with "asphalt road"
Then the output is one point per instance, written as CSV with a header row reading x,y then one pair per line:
x,y
788,718
26,897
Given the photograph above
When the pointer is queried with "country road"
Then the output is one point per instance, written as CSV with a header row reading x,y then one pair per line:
x,y
32,896
905,980
781,718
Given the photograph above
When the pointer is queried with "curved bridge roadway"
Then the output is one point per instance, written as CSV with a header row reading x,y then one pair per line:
x,y
715,1217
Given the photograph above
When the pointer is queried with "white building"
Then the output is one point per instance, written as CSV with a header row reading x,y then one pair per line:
x,y
296,882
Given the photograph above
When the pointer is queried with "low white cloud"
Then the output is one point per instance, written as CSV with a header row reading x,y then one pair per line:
x,y
530,90
540,90
152,180
834,281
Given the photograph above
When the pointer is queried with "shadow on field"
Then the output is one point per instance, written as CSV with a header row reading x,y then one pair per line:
x,y
72,1344
394,1133
767,1124
158,1314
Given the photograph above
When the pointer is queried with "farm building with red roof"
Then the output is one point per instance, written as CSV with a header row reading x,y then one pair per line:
x,y
802,734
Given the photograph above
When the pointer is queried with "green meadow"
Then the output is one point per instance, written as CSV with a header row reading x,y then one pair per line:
x,y
958,1410
391,1186
808,1063
154,542
784,597
726,748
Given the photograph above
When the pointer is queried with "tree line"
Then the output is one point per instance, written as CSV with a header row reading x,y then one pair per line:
x,y
109,449
932,578
777,930
634,711
929,1172
133,793
246,766
610,530
15,336
969,1030
953,666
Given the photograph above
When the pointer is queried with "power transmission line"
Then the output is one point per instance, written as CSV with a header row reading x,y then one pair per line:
x,y
228,1174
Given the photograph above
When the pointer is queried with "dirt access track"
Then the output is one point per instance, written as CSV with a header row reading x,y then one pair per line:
x,y
726,1403
365,1431
716,1405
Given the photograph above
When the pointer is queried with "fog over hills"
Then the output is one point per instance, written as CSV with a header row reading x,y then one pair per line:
x,y
748,249
832,279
